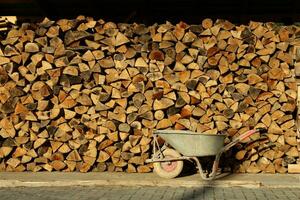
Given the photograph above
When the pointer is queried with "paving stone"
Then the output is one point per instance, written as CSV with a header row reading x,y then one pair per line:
x,y
145,193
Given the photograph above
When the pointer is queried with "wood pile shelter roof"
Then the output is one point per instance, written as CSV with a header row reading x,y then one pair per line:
x,y
150,11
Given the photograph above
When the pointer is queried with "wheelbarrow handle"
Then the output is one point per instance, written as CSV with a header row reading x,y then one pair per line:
x,y
240,138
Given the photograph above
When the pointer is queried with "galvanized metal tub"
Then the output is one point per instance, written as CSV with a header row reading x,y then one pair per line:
x,y
189,143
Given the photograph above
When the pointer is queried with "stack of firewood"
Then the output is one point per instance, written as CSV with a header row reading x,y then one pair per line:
x,y
6,23
86,95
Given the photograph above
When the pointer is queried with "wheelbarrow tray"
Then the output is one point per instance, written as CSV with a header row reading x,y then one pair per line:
x,y
189,143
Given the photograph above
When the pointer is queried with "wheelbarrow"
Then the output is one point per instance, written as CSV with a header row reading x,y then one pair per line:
x,y
187,145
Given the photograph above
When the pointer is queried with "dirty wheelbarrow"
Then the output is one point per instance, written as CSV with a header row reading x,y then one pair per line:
x,y
168,162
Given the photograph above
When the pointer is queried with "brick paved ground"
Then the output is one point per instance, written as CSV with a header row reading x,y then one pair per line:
x,y
145,193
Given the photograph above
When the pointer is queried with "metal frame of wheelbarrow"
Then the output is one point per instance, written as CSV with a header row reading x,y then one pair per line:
x,y
158,155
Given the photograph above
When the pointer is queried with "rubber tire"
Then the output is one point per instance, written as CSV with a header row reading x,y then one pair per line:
x,y
165,174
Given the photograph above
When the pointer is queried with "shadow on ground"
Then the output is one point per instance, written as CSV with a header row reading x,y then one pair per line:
x,y
205,192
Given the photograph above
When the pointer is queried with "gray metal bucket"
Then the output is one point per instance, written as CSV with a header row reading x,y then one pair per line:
x,y
189,143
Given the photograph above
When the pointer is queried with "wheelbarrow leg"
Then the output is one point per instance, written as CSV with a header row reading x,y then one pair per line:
x,y
199,167
215,166
202,174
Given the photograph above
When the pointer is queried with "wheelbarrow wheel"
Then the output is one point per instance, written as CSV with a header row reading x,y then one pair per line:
x,y
169,169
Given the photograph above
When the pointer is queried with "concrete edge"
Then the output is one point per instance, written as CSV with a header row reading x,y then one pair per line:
x,y
140,183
